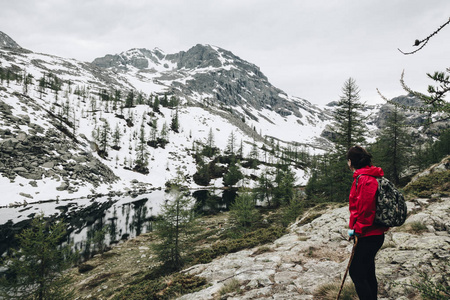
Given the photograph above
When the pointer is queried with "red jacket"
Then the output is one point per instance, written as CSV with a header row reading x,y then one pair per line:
x,y
362,202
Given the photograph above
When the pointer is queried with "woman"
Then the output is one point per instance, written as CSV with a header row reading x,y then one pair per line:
x,y
362,214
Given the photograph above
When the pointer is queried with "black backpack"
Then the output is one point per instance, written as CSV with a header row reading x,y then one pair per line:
x,y
391,207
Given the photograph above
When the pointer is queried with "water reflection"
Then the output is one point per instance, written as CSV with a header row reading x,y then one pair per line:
x,y
105,221
213,201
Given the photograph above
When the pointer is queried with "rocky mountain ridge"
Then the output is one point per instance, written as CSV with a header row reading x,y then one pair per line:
x,y
211,72
45,98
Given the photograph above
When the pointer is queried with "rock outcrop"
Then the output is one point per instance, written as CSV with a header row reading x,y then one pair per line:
x,y
317,253
38,153
8,42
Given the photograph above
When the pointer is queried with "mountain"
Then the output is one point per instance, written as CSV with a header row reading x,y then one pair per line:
x,y
7,42
59,118
211,73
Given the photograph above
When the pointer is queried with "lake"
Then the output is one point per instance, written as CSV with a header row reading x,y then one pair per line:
x,y
120,217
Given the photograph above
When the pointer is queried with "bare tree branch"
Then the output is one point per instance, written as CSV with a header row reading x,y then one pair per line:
x,y
425,40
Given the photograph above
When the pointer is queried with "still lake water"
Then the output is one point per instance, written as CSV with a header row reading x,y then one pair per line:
x,y
121,217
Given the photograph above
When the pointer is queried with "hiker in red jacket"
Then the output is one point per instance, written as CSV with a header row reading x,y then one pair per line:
x,y
362,213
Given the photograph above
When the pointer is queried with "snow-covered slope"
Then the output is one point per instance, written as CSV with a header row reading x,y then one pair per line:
x,y
47,134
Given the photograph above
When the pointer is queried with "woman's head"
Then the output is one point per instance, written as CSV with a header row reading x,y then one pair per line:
x,y
359,157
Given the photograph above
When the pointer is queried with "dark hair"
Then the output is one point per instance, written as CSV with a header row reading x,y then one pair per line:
x,y
359,157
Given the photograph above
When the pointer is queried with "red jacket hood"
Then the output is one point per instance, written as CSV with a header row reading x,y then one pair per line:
x,y
373,171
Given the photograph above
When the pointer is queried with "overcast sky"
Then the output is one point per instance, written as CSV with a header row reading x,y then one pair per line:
x,y
308,48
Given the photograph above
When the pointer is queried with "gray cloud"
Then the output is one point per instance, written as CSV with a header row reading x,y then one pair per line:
x,y
307,48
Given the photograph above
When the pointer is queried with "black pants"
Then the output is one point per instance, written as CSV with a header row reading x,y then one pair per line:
x,y
362,269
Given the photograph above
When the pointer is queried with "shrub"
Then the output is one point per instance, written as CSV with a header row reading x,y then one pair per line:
x,y
426,185
233,286
257,237
418,227
430,289
329,291
163,288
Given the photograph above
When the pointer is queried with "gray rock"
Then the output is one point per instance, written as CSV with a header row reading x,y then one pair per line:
x,y
64,186
317,253
48,164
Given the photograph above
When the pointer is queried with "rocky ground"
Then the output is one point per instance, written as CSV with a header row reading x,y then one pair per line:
x,y
313,254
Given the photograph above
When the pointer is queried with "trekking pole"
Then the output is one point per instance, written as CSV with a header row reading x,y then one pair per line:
x,y
348,266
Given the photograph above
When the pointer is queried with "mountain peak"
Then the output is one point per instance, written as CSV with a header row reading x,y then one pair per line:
x,y
7,42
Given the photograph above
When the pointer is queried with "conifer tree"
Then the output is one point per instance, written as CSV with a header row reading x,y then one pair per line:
x,y
176,224
202,176
101,135
391,148
141,152
331,180
139,99
165,133
243,211
116,99
208,149
116,136
154,132
174,125
156,105
285,183
231,146
263,191
129,101
234,174
36,268
173,102
348,122
42,86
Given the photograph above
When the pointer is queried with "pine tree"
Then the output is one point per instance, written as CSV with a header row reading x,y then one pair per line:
x,y
173,102
284,190
331,179
243,211
156,105
141,152
165,133
116,99
129,101
208,149
42,86
348,122
231,146
233,175
117,135
139,99
36,268
202,176
176,224
174,125
101,135
154,132
263,191
391,149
